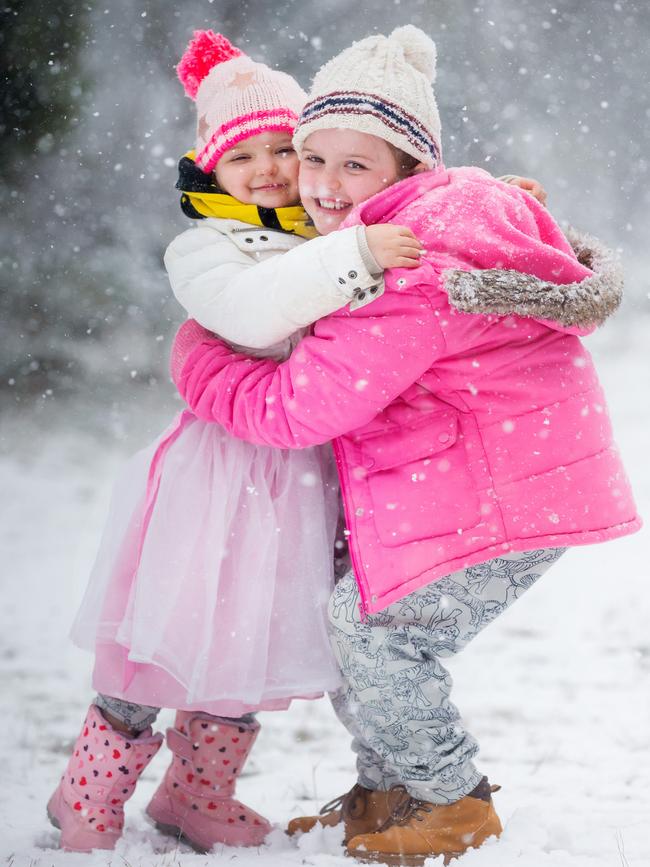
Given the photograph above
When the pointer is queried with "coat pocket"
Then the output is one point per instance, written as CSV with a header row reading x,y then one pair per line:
x,y
419,481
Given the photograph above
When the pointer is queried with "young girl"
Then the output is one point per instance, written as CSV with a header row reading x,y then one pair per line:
x,y
209,582
205,560
470,431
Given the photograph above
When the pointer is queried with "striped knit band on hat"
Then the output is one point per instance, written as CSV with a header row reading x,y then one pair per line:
x,y
236,98
367,112
228,135
381,86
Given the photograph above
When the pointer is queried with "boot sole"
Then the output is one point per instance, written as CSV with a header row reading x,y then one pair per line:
x,y
175,832
166,823
166,826
395,860
53,820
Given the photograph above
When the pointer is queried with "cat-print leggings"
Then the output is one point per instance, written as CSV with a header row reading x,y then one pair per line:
x,y
138,717
395,694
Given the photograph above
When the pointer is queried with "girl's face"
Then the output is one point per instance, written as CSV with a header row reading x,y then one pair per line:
x,y
261,170
339,169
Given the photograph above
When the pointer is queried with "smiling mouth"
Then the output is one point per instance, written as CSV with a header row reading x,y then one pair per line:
x,y
333,204
269,188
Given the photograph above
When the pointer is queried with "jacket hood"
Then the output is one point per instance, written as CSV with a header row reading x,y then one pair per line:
x,y
583,305
578,281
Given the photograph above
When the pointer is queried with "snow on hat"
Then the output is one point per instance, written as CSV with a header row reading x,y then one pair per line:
x,y
381,85
235,97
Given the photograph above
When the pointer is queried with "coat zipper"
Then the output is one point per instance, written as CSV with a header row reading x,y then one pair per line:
x,y
359,573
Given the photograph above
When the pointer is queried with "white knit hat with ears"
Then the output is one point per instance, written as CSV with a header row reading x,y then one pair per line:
x,y
236,98
381,85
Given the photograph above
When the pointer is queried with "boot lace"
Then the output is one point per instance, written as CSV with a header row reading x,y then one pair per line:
x,y
351,804
406,808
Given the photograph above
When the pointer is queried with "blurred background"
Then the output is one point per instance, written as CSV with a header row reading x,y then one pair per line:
x,y
93,121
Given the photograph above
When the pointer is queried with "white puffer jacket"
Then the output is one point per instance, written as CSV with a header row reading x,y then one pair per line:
x,y
231,278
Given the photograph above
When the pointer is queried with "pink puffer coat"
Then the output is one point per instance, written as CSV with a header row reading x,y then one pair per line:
x,y
466,415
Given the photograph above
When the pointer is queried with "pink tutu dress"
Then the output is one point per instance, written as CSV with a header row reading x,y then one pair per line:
x,y
211,584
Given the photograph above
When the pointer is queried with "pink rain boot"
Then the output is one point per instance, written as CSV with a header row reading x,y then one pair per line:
x,y
195,799
88,803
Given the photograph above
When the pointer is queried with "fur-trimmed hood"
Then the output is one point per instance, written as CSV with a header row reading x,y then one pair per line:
x,y
585,304
466,216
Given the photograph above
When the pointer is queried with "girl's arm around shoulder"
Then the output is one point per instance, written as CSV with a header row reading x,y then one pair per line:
x,y
260,303
336,380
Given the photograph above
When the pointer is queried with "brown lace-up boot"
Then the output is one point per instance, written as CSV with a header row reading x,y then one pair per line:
x,y
418,830
361,810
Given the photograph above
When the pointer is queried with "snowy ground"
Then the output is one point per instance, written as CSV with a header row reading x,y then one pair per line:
x,y
557,691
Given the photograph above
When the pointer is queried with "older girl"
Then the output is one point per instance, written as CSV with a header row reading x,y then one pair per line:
x,y
471,433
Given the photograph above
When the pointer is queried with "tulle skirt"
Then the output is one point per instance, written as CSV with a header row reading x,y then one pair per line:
x,y
211,584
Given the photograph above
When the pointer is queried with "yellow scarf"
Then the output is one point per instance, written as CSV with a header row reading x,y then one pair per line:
x,y
196,197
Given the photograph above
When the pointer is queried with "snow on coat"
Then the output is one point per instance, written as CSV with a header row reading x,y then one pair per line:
x,y
458,435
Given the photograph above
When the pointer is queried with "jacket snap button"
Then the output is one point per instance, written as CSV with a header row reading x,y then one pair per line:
x,y
444,437
352,274
369,463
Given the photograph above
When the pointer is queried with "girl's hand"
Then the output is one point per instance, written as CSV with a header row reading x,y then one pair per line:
x,y
394,246
531,186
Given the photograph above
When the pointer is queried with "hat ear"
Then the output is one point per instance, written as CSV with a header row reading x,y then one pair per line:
x,y
419,49
204,52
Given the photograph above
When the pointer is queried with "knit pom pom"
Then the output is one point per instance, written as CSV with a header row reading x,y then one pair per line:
x,y
204,52
419,49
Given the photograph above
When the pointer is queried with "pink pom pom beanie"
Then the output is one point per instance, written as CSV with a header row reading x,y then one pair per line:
x,y
382,86
235,97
